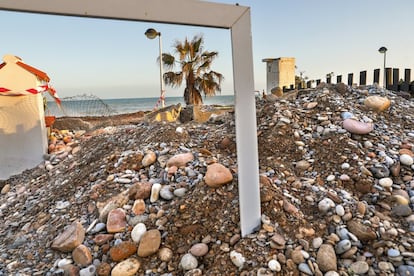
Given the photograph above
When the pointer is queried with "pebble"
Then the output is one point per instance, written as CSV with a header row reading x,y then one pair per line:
x,y
128,267
237,258
199,249
406,159
188,262
342,246
325,205
138,231
274,265
359,267
304,268
393,252
155,192
166,193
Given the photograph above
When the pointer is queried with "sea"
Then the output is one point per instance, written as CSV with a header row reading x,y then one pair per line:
x,y
85,105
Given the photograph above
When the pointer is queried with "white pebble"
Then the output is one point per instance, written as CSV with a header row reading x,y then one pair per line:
x,y
345,166
330,178
180,192
188,262
64,262
274,265
325,204
317,242
237,258
138,231
166,193
406,159
340,211
385,182
155,192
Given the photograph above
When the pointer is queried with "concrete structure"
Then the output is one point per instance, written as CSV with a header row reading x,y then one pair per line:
x,y
23,135
280,72
236,18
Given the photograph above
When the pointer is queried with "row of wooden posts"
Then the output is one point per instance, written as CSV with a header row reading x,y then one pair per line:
x,y
392,79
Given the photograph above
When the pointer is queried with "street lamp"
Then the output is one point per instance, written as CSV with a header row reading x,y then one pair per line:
x,y
383,50
151,34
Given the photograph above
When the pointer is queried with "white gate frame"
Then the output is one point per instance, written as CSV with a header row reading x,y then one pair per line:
x,y
196,13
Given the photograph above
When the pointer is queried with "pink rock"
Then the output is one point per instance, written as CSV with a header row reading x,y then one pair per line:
x,y
217,175
116,221
357,127
70,238
139,207
82,255
377,103
180,160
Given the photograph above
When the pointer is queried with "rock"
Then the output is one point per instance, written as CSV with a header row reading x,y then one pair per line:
x,y
401,210
150,243
155,192
357,127
199,249
71,269
274,265
363,232
122,251
325,205
116,221
141,190
359,268
237,259
385,182
71,237
180,160
103,269
304,268
277,91
138,231
380,171
149,158
297,256
326,258
139,207
342,246
165,192
303,165
405,270
82,255
188,262
165,254
406,160
129,267
317,242
88,271
217,175
377,103
101,239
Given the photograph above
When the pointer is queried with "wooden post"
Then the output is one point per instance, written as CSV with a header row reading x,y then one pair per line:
x,y
395,79
376,76
318,82
388,80
350,79
363,78
339,79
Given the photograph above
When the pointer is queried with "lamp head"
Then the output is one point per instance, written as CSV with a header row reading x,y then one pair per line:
x,y
152,33
382,50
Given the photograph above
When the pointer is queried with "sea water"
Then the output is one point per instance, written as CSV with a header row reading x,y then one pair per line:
x,y
105,107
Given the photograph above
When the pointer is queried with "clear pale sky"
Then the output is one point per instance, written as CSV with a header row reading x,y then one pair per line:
x,y
114,59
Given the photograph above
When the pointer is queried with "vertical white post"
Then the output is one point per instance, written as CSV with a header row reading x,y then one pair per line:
x,y
246,128
162,85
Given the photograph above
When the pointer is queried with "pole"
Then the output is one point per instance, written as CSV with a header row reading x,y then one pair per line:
x,y
385,73
161,74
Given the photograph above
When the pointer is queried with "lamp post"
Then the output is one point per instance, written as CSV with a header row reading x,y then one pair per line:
x,y
383,50
151,34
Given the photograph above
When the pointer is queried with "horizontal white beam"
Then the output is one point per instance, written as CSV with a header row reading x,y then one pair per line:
x,y
183,12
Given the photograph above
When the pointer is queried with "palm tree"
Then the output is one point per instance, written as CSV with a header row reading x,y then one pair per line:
x,y
195,67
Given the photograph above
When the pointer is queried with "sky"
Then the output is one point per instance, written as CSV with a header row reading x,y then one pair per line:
x,y
114,59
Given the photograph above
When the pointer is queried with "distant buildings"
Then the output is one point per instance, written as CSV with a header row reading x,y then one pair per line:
x,y
280,72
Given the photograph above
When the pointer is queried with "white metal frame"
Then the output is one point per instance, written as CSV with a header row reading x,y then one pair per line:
x,y
196,13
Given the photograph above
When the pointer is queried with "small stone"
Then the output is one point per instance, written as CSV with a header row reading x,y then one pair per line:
x,y
103,269
150,243
303,165
340,211
139,207
217,175
188,262
237,259
88,271
304,268
326,258
377,103
180,192
199,249
82,255
274,265
325,205
165,254
138,231
129,267
140,190
359,267
342,246
5,189
363,232
122,251
361,207
101,239
70,238
401,210
155,192
357,127
385,182
116,221
317,242
401,199
165,192
180,160
297,256
407,160
393,253
149,158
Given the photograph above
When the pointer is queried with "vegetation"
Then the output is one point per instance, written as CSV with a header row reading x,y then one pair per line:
x,y
195,65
